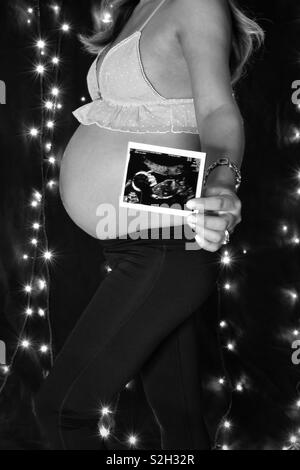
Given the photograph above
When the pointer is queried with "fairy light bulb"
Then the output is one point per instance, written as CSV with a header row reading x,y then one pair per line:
x,y
293,439
52,160
48,255
104,432
298,404
34,242
38,196
285,229
25,257
223,324
41,44
40,69
227,286
225,447
222,381
296,241
30,10
51,184
49,105
42,284
239,387
294,295
50,124
55,91
36,226
48,146
296,332
105,411
5,370
132,440
25,344
41,313
65,27
44,349
28,289
55,60
29,312
226,260
107,18
227,425
230,347
34,132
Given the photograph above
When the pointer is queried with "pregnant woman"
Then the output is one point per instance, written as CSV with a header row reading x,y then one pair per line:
x,y
163,75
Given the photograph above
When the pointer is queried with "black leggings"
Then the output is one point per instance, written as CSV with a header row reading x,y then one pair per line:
x,y
140,321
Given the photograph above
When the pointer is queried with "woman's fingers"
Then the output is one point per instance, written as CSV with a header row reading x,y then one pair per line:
x,y
213,203
206,245
218,223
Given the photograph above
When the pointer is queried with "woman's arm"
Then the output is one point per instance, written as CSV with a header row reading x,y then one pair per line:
x,y
204,33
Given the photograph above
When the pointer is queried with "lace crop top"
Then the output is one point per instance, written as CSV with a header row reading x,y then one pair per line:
x,y
124,99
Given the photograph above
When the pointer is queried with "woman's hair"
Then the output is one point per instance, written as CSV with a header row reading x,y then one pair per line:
x,y
110,16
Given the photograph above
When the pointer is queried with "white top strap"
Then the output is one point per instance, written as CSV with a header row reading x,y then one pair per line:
x,y
152,14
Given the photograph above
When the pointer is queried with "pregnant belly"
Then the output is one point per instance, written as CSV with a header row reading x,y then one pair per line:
x,y
92,174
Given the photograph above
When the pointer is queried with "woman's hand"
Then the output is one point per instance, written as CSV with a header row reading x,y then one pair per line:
x,y
218,210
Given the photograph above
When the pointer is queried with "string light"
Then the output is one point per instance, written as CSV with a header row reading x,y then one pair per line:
x,y
28,289
104,432
227,425
25,344
29,312
55,91
65,27
107,18
40,69
226,259
48,255
132,440
34,132
105,411
52,160
41,312
42,284
41,44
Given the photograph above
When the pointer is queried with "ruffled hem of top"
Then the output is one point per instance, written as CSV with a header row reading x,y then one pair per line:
x,y
141,118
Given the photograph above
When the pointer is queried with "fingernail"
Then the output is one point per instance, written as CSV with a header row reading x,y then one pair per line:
x,y
190,205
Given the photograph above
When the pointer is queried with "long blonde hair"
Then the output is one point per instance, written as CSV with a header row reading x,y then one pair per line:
x,y
110,16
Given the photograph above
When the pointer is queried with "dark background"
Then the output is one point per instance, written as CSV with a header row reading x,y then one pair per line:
x,y
258,309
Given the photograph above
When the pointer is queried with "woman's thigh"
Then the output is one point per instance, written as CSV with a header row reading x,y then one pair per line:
x,y
149,292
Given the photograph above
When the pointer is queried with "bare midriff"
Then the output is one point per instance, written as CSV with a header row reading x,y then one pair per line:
x,y
92,175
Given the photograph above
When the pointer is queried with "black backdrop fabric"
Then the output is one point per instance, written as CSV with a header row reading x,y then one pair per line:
x,y
258,312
